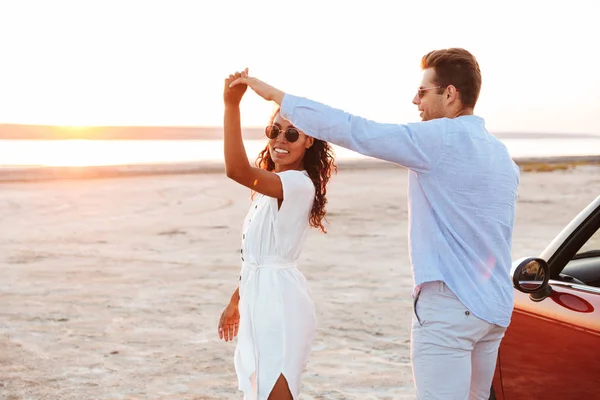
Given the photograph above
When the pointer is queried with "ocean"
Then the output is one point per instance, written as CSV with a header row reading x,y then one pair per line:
x,y
61,153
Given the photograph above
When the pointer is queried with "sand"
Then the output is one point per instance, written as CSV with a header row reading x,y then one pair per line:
x,y
112,288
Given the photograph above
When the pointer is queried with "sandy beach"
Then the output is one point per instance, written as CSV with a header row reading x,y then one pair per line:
x,y
112,288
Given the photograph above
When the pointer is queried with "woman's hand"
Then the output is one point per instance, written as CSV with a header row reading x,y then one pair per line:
x,y
232,95
229,322
262,89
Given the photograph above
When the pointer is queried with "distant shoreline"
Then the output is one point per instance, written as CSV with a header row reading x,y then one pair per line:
x,y
43,173
47,132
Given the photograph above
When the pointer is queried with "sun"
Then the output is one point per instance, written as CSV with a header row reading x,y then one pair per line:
x,y
73,131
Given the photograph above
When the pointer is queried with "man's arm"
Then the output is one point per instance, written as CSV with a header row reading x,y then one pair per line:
x,y
414,145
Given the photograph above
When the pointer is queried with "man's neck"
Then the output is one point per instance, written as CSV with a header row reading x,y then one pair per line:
x,y
460,113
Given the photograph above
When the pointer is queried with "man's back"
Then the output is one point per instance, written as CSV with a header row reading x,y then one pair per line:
x,y
462,217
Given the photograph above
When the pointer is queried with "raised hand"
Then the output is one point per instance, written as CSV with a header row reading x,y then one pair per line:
x,y
232,95
261,88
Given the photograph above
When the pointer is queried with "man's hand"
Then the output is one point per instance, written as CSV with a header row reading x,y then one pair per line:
x,y
229,322
232,95
262,89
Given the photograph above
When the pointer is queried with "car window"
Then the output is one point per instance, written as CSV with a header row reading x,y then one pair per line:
x,y
593,244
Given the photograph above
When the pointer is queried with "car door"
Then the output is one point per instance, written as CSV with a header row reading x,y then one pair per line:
x,y
551,349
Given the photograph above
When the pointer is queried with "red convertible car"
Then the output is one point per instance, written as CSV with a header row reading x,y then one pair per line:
x,y
551,349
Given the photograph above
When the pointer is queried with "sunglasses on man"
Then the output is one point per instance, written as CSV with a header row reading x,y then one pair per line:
x,y
421,91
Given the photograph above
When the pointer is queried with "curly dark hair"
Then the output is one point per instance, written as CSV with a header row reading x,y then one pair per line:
x,y
319,163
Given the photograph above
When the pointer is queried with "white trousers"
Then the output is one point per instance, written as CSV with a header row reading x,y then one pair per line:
x,y
453,353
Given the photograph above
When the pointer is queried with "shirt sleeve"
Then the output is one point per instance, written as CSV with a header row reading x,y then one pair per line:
x,y
415,145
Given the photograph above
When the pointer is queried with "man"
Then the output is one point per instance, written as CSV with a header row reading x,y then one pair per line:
x,y
462,196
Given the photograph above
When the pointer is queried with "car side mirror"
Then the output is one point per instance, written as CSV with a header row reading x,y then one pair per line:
x,y
531,275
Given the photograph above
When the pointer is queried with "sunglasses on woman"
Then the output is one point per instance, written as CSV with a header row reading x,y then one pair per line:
x,y
291,134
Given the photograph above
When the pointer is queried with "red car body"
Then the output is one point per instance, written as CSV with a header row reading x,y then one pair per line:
x,y
551,350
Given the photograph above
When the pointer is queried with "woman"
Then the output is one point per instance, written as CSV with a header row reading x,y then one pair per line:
x,y
272,307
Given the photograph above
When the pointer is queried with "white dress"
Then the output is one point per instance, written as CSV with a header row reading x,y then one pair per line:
x,y
277,315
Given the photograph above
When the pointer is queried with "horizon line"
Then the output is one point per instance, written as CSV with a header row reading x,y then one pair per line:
x,y
95,127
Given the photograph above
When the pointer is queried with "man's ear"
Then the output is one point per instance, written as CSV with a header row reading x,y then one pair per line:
x,y
452,93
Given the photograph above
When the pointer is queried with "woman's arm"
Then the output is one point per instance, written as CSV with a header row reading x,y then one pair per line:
x,y
235,297
237,166
230,318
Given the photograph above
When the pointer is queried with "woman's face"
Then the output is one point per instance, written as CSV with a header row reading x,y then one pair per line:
x,y
286,152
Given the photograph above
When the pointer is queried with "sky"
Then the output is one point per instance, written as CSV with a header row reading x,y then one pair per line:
x,y
151,62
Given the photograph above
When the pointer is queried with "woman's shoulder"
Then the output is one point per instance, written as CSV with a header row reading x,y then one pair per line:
x,y
298,178
295,174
